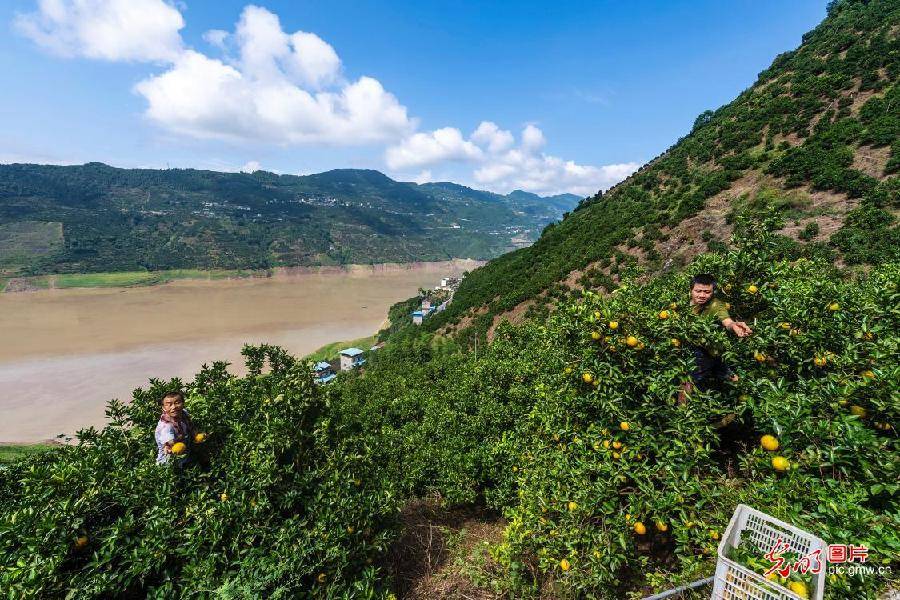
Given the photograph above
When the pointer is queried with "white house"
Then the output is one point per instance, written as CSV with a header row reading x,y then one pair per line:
x,y
351,358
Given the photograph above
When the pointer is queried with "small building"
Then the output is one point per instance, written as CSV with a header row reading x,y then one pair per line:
x,y
417,316
323,372
426,304
352,358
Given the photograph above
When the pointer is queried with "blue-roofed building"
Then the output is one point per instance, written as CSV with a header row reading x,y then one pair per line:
x,y
323,372
417,316
351,358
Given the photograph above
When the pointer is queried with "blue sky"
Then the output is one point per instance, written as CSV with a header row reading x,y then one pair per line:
x,y
546,96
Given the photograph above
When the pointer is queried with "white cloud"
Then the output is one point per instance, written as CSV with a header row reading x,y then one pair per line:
x,y
532,139
283,88
251,167
114,30
271,86
441,145
216,37
424,176
496,140
501,166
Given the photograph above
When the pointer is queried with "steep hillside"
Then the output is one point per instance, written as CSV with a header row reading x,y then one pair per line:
x,y
815,139
98,218
568,427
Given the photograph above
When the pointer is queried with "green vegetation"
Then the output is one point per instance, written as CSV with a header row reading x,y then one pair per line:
x,y
13,452
94,219
133,278
24,240
298,488
802,122
330,351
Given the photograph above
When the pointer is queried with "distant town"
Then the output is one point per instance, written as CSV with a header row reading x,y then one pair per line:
x,y
349,359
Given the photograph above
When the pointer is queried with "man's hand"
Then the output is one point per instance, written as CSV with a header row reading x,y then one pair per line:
x,y
739,328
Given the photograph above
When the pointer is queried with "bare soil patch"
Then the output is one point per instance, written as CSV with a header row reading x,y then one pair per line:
x,y
439,547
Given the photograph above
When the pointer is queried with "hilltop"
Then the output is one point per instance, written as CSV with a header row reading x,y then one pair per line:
x,y
816,138
96,218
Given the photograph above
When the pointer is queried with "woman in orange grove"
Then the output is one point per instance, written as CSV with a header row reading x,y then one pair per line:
x,y
174,430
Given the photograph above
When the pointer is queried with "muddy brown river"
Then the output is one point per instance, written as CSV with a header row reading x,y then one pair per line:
x,y
65,353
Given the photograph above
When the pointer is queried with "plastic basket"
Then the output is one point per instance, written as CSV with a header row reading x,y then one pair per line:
x,y
734,581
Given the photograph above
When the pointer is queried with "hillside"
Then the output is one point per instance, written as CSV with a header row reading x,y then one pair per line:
x,y
816,138
94,218
607,487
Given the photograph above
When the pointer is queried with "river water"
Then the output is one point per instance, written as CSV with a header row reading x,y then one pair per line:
x,y
65,353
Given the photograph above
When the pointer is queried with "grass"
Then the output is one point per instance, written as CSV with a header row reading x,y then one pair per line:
x,y
330,351
14,452
135,278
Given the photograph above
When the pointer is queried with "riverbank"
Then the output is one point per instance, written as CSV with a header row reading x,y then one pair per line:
x,y
151,278
67,352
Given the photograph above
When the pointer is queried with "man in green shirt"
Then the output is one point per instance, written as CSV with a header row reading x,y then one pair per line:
x,y
705,305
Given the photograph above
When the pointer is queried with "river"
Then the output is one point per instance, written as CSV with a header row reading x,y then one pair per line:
x,y
66,352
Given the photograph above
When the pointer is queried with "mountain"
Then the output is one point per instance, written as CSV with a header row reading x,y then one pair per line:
x,y
95,217
816,140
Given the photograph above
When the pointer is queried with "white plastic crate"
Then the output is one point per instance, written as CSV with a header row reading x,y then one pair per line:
x,y
734,581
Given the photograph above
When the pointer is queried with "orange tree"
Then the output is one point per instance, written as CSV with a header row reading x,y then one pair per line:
x,y
570,427
273,503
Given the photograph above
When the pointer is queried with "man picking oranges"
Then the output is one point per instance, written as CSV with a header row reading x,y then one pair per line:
x,y
174,429
705,305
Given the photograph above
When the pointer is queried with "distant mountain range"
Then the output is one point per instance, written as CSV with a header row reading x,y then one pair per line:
x,y
95,217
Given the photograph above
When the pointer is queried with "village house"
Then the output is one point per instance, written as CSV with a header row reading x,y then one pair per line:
x,y
351,358
323,372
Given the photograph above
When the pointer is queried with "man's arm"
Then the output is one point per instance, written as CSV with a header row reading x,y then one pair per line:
x,y
739,328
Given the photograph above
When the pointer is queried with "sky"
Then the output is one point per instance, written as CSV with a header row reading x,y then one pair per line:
x,y
548,97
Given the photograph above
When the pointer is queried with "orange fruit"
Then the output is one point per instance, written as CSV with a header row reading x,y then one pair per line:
x,y
573,506
587,377
676,342
769,442
859,411
564,565
834,306
200,438
624,426
178,448
595,335
752,289
661,527
631,341
613,324
799,588
663,314
639,528
81,541
781,464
